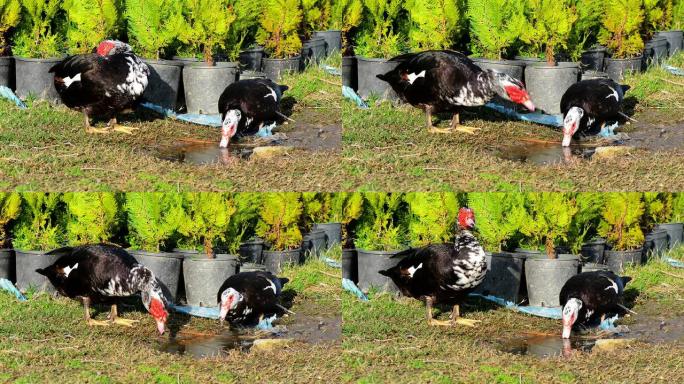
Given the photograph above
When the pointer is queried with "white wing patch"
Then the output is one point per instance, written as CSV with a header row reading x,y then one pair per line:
x,y
70,80
614,94
413,269
612,286
272,94
271,286
137,80
412,77
67,270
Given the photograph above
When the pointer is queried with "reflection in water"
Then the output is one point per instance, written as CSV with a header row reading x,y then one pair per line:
x,y
203,347
546,346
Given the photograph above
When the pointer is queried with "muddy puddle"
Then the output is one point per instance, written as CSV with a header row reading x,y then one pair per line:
x,y
545,154
546,346
654,131
301,328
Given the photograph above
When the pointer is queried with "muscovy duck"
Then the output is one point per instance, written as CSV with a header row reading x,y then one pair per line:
x,y
102,273
245,298
589,102
589,296
443,273
103,83
246,105
445,81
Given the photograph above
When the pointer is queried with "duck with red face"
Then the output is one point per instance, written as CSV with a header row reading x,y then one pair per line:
x,y
103,273
247,297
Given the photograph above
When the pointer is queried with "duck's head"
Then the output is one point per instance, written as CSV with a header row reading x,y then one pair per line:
x,y
112,47
229,126
229,301
466,218
571,124
512,89
154,301
570,314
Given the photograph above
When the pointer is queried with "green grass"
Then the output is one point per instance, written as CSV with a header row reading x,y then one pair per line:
x,y
388,340
46,340
388,148
46,148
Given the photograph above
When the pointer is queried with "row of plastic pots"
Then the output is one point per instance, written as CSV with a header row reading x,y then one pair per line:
x,y
524,275
186,275
546,84
180,84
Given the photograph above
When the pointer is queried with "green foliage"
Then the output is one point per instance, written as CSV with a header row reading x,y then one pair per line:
x,y
585,31
279,24
620,31
39,226
153,218
434,23
244,220
345,207
10,207
244,27
10,14
379,38
551,216
657,209
586,220
620,220
206,25
153,25
37,36
346,14
495,25
431,217
654,16
678,15
88,22
279,216
91,217
315,15
316,209
379,229
206,220
677,208
498,217
549,24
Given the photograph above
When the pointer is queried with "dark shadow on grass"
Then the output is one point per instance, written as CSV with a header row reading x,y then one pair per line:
x,y
287,105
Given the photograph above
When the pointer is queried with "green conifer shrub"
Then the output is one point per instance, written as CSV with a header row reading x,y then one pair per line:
x,y
379,37
37,36
88,22
434,23
620,221
346,208
678,15
585,31
498,217
431,217
206,26
657,209
620,28
10,207
279,26
346,15
153,218
549,24
206,220
91,217
655,17
312,17
243,221
551,216
244,28
39,226
278,218
316,209
585,222
153,25
677,208
10,14
379,228
495,25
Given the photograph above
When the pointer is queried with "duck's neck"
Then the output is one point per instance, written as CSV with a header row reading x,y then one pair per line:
x,y
142,279
465,239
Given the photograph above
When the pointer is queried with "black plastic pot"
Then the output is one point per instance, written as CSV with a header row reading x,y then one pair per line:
x,y
675,40
318,242
164,82
313,50
617,69
591,75
185,60
504,272
251,267
333,40
369,263
7,264
350,265
204,276
250,59
180,103
592,251
592,59
250,251
333,233
33,78
546,84
27,278
675,233
659,240
350,74
528,60
513,68
165,266
618,260
658,48
545,278
275,69
275,261
7,71
528,252
369,85
205,83
593,267
246,75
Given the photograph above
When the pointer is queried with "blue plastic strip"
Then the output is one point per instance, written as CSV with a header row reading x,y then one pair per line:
x,y
548,312
7,93
353,96
535,117
7,285
332,70
675,263
674,70
206,312
332,263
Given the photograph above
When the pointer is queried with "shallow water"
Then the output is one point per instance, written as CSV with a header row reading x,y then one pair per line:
x,y
546,346
545,154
